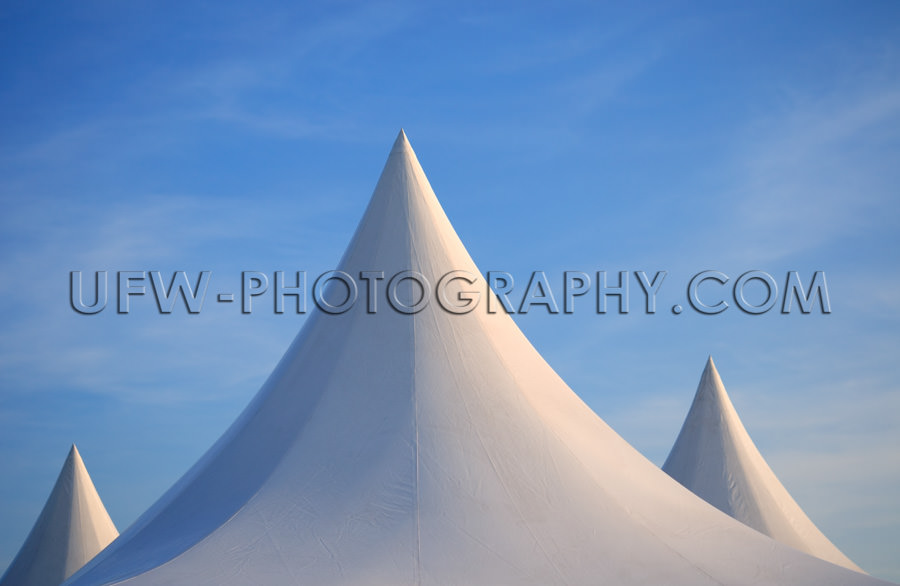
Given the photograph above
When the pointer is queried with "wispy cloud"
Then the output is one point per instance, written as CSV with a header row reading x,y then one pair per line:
x,y
822,168
97,354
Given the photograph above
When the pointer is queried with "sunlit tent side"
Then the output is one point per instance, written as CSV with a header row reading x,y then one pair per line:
x,y
431,448
71,529
715,458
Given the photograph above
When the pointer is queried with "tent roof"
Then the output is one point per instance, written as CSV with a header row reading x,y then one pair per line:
x,y
715,458
71,529
431,448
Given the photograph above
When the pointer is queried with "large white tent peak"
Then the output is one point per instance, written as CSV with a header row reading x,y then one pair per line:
x,y
717,460
71,529
430,448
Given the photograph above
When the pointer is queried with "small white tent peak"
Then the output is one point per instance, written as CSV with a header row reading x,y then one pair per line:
x,y
71,529
392,448
716,459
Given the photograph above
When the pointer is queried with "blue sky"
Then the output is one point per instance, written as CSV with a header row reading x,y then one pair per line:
x,y
565,136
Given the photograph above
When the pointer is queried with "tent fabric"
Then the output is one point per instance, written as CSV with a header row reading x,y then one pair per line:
x,y
715,458
71,529
430,448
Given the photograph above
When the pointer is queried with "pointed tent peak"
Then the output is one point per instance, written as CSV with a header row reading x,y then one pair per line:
x,y
710,370
402,143
405,226
402,155
73,466
710,366
75,463
711,382
715,458
70,530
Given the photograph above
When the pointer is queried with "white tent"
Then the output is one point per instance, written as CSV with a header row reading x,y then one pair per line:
x,y
431,448
71,529
715,458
